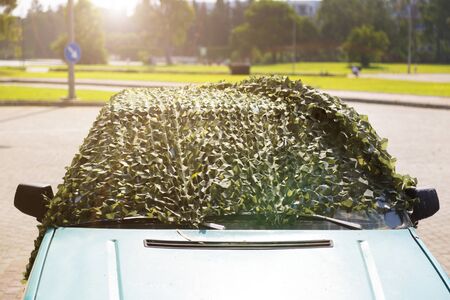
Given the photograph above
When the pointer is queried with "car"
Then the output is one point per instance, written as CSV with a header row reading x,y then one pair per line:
x,y
234,202
313,259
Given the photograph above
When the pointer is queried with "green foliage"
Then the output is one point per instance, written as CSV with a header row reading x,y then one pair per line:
x,y
241,43
88,34
268,27
268,146
166,23
40,29
337,19
10,30
219,25
306,31
365,45
10,36
217,54
7,5
436,17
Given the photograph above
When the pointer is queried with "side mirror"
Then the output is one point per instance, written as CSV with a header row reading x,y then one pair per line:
x,y
428,203
30,199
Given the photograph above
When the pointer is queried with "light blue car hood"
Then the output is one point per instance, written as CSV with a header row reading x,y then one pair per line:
x,y
86,263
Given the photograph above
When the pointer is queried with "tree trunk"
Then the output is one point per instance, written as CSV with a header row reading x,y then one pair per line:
x,y
168,54
365,61
274,57
438,47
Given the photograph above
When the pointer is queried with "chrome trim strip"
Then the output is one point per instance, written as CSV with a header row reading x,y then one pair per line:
x,y
39,265
114,286
242,245
371,269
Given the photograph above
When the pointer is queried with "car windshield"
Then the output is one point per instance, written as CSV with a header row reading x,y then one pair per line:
x,y
374,219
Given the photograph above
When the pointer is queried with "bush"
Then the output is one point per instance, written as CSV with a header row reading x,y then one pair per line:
x,y
261,58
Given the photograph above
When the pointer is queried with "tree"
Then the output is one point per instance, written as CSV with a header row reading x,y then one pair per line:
x,y
201,24
337,18
268,27
40,29
241,43
10,30
307,39
219,24
7,6
379,15
88,34
198,31
238,13
365,45
166,24
436,18
122,38
306,31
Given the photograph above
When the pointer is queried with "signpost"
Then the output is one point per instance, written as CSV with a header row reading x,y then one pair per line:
x,y
72,52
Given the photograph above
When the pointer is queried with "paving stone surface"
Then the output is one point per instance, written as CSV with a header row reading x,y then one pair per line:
x,y
36,143
420,140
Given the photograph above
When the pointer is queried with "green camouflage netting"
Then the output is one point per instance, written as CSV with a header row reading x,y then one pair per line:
x,y
267,146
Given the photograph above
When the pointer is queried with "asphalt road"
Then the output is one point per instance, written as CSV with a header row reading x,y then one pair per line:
x,y
36,143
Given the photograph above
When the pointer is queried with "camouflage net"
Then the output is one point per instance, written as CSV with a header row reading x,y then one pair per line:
x,y
267,146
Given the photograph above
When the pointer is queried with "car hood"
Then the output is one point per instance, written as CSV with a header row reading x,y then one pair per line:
x,y
94,263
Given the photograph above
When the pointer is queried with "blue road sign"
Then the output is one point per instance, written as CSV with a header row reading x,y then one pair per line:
x,y
72,53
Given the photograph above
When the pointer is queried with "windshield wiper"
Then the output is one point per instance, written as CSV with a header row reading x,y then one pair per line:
x,y
346,224
210,225
128,220
247,216
140,220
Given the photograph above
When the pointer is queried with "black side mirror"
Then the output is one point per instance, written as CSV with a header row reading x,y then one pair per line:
x,y
30,199
428,203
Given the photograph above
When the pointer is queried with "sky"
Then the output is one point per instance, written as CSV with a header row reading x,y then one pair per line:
x,y
120,5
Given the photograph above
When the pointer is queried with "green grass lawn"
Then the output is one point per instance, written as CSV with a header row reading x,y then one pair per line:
x,y
313,68
326,83
379,85
164,77
198,74
341,68
12,93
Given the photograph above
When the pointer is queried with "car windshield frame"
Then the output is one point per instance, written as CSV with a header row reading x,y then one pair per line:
x,y
342,220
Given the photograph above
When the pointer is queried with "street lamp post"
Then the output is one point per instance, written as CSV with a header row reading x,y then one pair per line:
x,y
411,3
71,40
23,40
294,43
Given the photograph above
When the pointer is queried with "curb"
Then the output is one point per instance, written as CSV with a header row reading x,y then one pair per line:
x,y
100,103
52,103
397,103
100,82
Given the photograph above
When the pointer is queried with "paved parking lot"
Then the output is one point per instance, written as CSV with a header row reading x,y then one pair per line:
x,y
36,143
